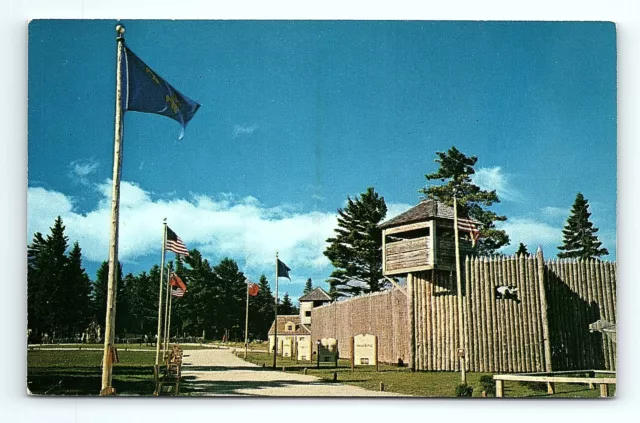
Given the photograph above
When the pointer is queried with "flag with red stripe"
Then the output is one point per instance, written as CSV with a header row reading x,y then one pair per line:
x,y
471,226
254,288
175,244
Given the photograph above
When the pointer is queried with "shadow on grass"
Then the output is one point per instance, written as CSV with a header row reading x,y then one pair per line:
x,y
86,381
191,386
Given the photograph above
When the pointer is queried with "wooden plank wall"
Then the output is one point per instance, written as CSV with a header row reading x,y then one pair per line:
x,y
383,314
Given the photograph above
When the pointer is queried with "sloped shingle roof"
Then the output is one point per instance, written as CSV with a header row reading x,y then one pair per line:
x,y
427,209
295,319
317,294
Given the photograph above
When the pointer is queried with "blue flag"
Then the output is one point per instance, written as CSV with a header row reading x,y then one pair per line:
x,y
283,270
144,91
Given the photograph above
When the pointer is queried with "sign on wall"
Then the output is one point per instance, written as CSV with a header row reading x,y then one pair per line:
x,y
365,350
304,348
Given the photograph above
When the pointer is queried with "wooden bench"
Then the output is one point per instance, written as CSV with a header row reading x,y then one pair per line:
x,y
167,377
588,377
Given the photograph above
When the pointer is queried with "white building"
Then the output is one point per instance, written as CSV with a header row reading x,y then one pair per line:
x,y
294,331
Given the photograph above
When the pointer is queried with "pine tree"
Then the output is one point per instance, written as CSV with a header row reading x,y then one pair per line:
x,y
78,293
522,250
579,239
308,287
99,298
232,297
286,306
265,309
455,172
356,249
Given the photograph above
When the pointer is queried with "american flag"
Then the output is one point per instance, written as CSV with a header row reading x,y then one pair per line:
x,y
470,226
175,244
178,292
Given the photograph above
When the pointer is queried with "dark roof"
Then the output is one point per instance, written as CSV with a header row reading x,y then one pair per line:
x,y
317,294
427,209
300,329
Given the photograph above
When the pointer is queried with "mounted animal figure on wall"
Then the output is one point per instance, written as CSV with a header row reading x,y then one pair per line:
x,y
507,292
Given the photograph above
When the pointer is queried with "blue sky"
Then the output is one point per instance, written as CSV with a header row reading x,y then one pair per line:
x,y
296,115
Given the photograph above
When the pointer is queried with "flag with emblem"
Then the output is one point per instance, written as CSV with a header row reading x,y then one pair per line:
x,y
177,283
145,91
253,289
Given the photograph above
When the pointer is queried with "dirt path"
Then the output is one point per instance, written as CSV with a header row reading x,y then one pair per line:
x,y
220,373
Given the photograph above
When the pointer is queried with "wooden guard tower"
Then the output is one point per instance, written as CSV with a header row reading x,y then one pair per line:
x,y
420,239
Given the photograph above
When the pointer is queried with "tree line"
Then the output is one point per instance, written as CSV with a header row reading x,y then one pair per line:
x,y
355,250
63,302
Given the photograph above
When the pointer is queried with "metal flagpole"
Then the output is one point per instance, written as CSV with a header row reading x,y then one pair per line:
x,y
461,352
109,330
166,309
275,324
159,335
246,324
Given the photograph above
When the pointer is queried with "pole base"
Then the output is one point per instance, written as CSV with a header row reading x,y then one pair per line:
x,y
108,392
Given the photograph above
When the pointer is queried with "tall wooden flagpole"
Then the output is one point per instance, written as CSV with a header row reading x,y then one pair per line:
x,y
246,323
168,335
159,334
275,324
461,352
166,310
109,330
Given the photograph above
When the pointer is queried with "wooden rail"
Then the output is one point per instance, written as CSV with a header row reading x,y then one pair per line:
x,y
551,378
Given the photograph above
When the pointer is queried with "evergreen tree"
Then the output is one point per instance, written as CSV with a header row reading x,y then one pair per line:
x,y
308,287
265,309
78,293
522,250
455,172
286,306
231,290
99,298
142,297
356,249
37,298
579,239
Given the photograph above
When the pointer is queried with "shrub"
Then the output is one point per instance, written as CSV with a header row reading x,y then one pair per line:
x,y
464,390
488,385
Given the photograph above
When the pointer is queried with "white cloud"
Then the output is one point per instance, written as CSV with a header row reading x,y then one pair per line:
x,y
531,232
241,228
394,209
492,178
239,130
79,170
554,213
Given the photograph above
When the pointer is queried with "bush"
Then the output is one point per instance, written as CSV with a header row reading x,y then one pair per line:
x,y
464,390
488,385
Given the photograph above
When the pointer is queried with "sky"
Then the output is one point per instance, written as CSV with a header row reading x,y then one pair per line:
x,y
298,115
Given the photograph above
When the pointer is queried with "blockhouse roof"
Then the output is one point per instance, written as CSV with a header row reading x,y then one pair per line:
x,y
427,209
317,294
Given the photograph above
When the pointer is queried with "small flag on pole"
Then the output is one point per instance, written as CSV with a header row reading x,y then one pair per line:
x,y
253,289
177,281
283,270
175,244
177,292
144,91
471,226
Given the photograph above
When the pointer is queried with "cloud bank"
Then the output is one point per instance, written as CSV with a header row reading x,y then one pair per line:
x,y
493,178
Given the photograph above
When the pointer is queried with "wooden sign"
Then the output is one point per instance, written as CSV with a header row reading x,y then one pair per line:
x,y
287,347
304,348
365,350
328,350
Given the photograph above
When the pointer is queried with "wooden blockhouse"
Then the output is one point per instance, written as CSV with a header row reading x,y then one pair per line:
x,y
422,238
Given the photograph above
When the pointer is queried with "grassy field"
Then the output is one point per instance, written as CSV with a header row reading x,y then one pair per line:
x,y
121,347
79,372
424,384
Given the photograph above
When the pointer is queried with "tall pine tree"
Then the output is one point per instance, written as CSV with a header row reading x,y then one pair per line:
x,y
78,293
356,249
99,297
286,306
308,287
579,239
522,250
455,174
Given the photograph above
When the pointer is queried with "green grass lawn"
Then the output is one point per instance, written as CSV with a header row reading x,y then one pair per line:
x,y
423,384
79,372
121,347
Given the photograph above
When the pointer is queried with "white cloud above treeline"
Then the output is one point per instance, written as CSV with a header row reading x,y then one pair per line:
x,y
228,225
493,178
